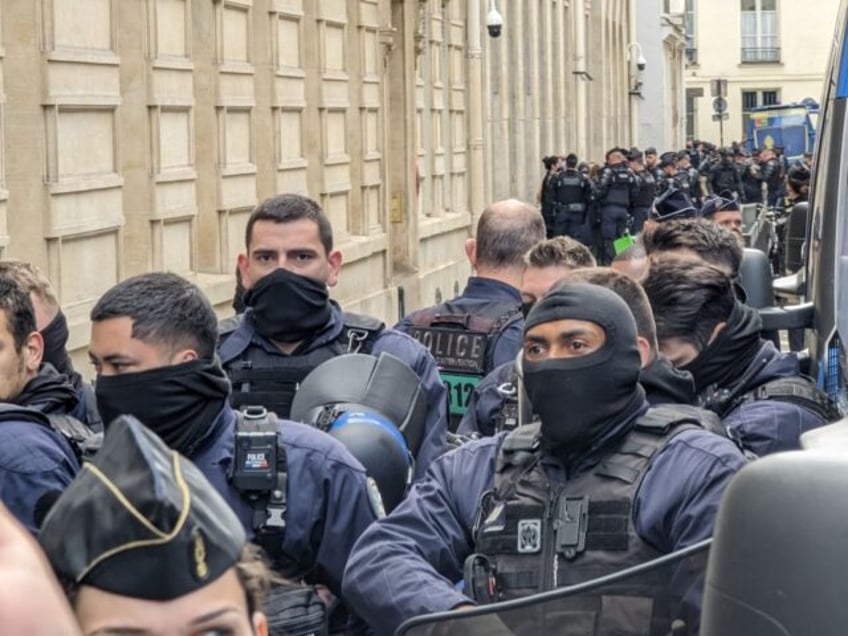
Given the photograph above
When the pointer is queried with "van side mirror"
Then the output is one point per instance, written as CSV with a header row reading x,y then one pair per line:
x,y
796,236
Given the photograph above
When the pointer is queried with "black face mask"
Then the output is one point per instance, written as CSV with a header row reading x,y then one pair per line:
x,y
727,357
55,336
581,400
179,403
288,307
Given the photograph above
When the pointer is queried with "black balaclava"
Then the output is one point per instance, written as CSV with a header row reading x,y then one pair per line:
x,y
580,400
288,307
727,357
179,403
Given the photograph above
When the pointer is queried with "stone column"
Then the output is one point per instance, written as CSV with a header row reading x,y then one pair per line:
x,y
475,111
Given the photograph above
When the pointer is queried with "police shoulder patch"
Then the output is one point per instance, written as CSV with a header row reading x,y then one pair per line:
x,y
375,498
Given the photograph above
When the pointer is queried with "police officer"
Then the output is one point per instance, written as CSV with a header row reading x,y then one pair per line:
x,y
152,345
693,177
756,390
144,545
509,502
547,192
36,461
723,211
772,174
291,325
51,322
616,191
481,328
662,382
667,174
573,197
724,177
752,181
546,264
651,164
645,193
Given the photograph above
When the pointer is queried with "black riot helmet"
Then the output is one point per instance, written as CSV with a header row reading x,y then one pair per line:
x,y
376,406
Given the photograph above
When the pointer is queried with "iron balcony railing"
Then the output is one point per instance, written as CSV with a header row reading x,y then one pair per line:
x,y
757,55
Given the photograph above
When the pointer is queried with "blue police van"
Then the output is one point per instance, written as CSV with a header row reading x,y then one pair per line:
x,y
790,126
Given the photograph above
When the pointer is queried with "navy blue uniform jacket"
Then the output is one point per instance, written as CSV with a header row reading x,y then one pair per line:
x,y
407,564
328,506
770,426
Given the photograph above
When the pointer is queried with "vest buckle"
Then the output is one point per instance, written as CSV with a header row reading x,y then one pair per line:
x,y
570,526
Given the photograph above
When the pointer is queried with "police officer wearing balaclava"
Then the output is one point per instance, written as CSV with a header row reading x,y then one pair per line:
x,y
644,472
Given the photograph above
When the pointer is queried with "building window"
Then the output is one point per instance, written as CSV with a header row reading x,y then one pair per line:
x,y
692,95
691,48
754,98
760,43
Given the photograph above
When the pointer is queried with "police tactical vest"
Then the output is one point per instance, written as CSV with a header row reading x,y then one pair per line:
x,y
682,181
620,180
462,344
534,535
273,387
570,193
725,178
647,189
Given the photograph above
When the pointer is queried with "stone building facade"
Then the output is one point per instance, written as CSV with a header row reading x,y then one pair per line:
x,y
137,135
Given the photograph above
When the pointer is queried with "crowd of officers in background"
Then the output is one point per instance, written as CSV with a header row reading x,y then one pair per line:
x,y
597,203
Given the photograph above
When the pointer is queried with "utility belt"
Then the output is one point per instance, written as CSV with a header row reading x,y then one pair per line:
x,y
570,207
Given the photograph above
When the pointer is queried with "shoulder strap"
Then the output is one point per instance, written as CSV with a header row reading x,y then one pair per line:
x,y
360,332
83,441
518,452
228,325
661,420
795,390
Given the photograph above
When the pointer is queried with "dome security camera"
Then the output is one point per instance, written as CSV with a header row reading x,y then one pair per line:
x,y
641,63
494,22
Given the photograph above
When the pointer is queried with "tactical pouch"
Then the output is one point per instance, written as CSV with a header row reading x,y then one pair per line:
x,y
479,575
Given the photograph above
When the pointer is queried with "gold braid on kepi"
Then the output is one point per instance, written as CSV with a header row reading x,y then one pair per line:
x,y
141,521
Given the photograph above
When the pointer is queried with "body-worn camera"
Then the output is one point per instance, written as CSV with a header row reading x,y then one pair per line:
x,y
255,466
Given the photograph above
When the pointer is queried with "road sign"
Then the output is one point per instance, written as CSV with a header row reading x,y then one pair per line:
x,y
720,104
718,88
721,116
